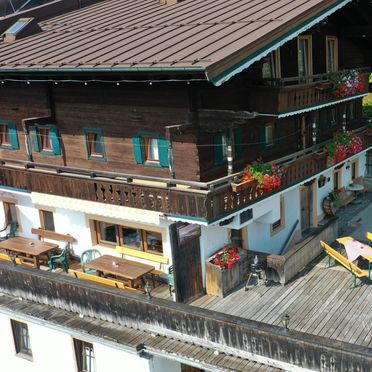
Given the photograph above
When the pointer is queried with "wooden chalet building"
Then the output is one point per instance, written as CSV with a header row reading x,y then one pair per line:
x,y
128,124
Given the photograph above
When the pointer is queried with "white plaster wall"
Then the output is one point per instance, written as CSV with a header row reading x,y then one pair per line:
x,y
259,234
53,350
115,360
211,240
159,364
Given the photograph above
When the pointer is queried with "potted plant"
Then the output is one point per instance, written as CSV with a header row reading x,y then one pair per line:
x,y
331,202
225,270
321,181
344,144
262,176
348,82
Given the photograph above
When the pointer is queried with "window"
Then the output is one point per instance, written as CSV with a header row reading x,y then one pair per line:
x,y
305,58
21,339
131,237
18,26
94,144
107,233
220,143
45,139
332,116
350,111
337,179
150,150
8,136
10,212
47,220
271,68
332,53
280,223
84,354
269,134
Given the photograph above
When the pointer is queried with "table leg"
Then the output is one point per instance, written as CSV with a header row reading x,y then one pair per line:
x,y
36,262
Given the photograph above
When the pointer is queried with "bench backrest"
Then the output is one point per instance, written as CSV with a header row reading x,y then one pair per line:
x,y
342,259
369,236
141,254
52,235
98,279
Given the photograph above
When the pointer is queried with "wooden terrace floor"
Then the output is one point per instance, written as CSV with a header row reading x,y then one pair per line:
x,y
319,302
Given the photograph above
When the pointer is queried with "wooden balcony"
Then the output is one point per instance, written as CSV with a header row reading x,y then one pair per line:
x,y
280,96
203,201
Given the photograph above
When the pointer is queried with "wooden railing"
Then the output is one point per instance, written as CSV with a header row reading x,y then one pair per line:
x,y
205,201
291,94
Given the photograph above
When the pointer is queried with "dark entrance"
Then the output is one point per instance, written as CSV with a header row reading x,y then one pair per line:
x,y
187,269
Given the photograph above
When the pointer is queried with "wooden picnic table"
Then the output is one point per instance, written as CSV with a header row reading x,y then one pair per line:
x,y
29,249
120,268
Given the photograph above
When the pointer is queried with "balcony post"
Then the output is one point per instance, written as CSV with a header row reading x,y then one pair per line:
x,y
344,122
230,151
314,132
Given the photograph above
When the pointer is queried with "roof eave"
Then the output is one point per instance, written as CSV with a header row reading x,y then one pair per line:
x,y
218,77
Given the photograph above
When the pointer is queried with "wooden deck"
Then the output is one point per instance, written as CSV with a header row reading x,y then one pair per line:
x,y
320,302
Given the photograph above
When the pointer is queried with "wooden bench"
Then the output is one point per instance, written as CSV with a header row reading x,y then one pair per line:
x,y
356,271
18,261
97,279
369,237
156,274
52,235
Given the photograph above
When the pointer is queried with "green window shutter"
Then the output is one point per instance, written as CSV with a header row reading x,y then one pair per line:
x,y
238,143
262,137
55,141
137,150
163,152
218,153
34,139
278,133
13,136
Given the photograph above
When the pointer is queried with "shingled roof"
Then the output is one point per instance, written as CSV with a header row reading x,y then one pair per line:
x,y
215,38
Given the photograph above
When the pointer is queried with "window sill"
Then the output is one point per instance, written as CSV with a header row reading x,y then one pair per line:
x,y
24,356
48,153
97,158
152,164
7,147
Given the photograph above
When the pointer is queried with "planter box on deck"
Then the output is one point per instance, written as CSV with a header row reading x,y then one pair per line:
x,y
222,282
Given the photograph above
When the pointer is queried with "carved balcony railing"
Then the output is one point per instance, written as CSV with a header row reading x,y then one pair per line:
x,y
204,201
280,96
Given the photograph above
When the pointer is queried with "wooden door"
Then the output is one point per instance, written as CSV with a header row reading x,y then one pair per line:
x,y
188,280
305,207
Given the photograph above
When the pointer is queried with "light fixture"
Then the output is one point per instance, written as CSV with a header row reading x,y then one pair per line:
x,y
148,288
285,321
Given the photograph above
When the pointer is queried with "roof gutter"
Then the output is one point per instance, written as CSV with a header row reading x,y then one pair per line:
x,y
259,54
44,70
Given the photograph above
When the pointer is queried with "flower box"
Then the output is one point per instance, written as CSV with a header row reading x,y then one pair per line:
x,y
237,187
220,282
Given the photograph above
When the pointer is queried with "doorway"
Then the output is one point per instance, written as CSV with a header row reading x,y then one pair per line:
x,y
306,202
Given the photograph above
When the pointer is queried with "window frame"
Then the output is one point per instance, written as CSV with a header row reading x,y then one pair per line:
x,y
89,144
273,60
272,142
279,225
146,143
80,356
309,58
138,150
37,141
13,143
335,54
8,212
43,225
120,238
18,339
354,170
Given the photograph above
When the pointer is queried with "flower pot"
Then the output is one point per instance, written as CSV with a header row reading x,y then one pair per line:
x,y
328,207
221,282
236,187
320,155
330,161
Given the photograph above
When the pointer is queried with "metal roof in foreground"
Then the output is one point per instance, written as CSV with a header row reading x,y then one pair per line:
x,y
218,38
